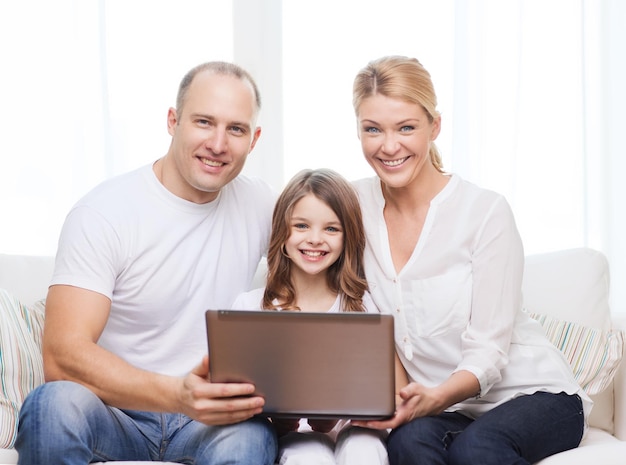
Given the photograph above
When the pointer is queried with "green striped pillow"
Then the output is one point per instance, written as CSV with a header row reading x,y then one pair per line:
x,y
21,366
593,354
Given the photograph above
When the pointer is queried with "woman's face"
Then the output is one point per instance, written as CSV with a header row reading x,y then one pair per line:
x,y
395,137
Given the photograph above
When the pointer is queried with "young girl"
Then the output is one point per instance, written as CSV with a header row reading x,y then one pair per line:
x,y
315,264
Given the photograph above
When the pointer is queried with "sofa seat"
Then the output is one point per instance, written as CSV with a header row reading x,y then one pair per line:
x,y
598,447
571,285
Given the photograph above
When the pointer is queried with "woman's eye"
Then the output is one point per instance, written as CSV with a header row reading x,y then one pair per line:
x,y
371,130
407,128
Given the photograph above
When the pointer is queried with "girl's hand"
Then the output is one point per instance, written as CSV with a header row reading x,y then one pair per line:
x,y
285,425
322,426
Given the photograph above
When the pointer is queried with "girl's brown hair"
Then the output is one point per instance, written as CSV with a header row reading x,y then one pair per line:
x,y
346,276
401,78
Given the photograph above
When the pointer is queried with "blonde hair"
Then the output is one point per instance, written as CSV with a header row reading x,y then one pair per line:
x,y
347,275
400,78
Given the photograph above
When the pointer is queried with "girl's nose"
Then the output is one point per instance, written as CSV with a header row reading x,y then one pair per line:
x,y
314,237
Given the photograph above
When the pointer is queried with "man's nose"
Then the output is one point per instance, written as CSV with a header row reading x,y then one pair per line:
x,y
217,141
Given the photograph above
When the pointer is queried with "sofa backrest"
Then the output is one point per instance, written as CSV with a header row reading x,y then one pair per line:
x,y
569,284
573,285
26,277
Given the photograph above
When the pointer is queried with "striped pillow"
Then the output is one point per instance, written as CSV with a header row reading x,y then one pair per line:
x,y
21,366
593,354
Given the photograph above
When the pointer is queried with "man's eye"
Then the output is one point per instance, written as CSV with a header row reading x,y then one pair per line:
x,y
237,130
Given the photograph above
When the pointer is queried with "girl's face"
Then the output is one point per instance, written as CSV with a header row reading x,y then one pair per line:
x,y
316,236
396,137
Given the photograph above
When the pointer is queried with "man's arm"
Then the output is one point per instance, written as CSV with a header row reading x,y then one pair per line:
x,y
75,319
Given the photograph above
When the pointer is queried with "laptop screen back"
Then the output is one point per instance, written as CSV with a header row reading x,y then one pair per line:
x,y
307,365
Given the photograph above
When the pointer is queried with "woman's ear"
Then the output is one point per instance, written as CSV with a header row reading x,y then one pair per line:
x,y
436,128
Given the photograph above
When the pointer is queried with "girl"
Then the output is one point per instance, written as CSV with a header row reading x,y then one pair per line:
x,y
315,264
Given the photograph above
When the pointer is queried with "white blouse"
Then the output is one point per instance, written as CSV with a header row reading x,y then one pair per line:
x,y
457,302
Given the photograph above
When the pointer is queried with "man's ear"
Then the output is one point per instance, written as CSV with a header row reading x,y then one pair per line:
x,y
255,137
172,121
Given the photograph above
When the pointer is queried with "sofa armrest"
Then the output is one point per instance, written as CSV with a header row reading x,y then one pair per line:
x,y
619,387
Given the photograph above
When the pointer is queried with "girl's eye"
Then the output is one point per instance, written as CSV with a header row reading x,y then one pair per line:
x,y
332,229
300,226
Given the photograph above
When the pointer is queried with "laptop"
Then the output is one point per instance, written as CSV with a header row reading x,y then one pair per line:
x,y
307,365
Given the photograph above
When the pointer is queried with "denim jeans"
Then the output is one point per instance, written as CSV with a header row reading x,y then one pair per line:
x,y
521,431
64,423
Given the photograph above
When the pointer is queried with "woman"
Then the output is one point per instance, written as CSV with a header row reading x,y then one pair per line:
x,y
445,257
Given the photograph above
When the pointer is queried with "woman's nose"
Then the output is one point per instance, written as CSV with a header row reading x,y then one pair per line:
x,y
390,144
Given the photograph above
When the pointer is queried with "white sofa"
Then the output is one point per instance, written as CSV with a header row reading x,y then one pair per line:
x,y
571,285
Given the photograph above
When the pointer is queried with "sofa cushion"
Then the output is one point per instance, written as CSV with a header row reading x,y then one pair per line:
x,y
21,366
593,354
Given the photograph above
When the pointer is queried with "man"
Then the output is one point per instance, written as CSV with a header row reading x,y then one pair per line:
x,y
140,259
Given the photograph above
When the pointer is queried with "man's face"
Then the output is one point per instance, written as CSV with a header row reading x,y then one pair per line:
x,y
212,136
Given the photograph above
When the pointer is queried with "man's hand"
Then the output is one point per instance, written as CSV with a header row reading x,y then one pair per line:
x,y
217,403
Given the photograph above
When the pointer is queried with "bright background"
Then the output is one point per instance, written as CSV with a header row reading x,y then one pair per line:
x,y
530,91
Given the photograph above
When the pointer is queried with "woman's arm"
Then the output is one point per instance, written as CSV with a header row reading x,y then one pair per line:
x,y
402,378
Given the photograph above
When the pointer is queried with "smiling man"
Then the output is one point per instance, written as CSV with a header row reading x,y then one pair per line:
x,y
140,258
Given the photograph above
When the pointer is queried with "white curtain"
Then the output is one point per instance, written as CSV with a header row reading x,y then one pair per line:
x,y
530,91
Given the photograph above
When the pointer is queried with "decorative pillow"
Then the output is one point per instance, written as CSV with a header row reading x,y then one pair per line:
x,y
21,366
593,354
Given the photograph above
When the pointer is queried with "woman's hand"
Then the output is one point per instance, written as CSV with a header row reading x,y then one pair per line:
x,y
415,401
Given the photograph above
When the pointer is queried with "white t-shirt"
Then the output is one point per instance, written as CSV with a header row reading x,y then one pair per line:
x,y
252,300
163,261
457,302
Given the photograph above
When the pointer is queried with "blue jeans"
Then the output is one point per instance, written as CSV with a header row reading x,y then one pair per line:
x,y
519,432
64,423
